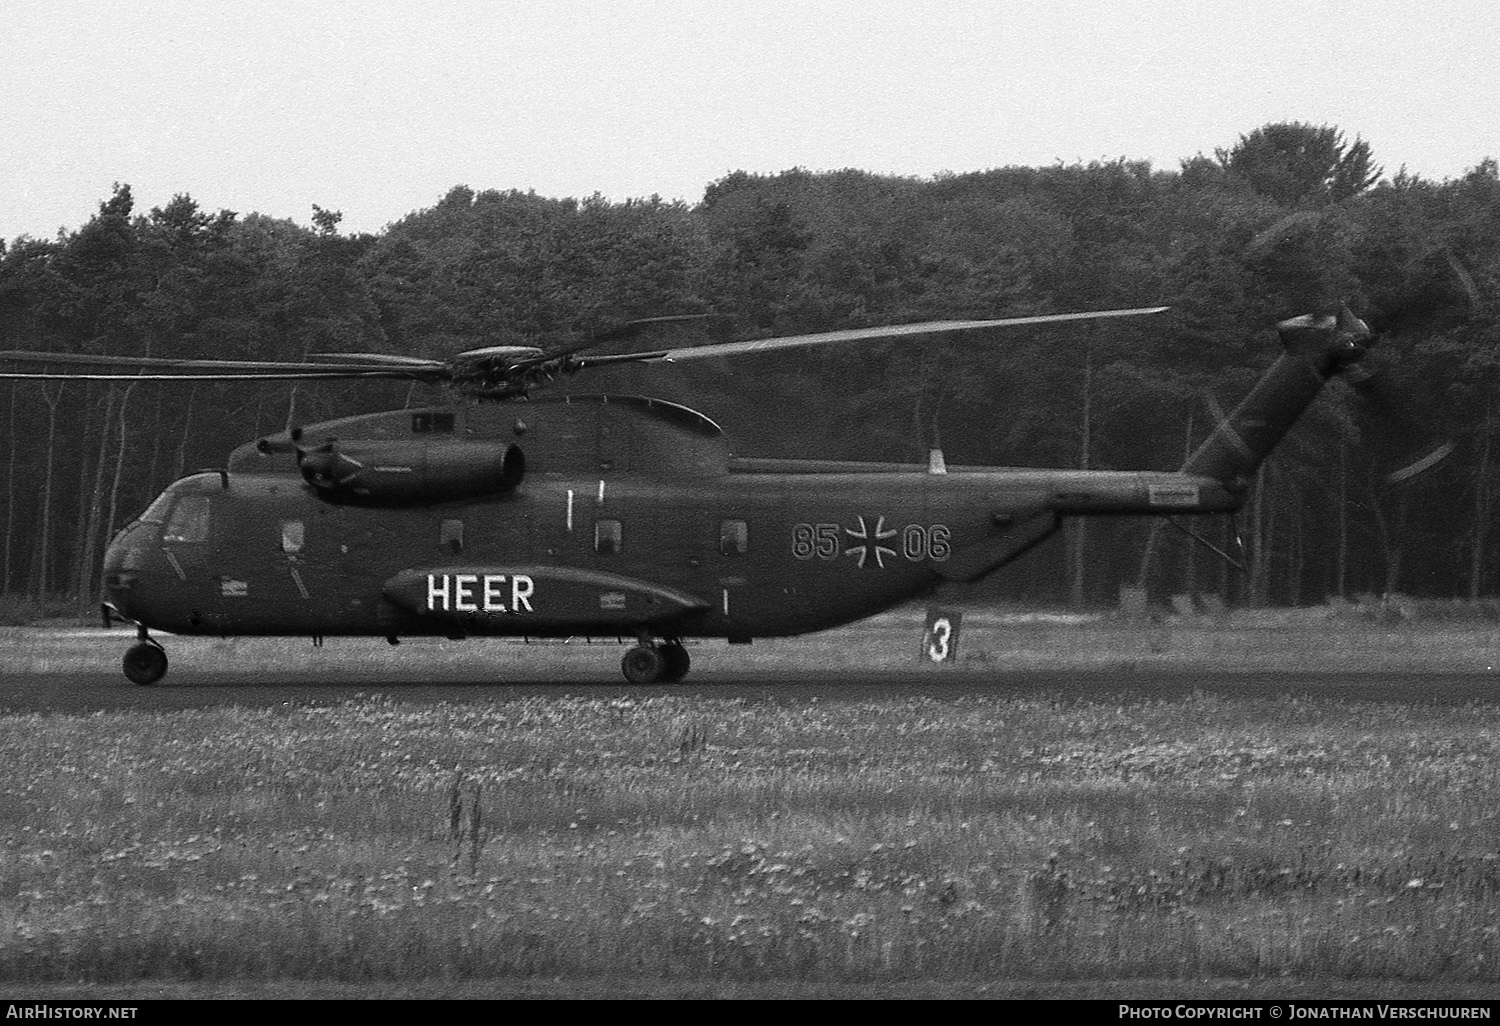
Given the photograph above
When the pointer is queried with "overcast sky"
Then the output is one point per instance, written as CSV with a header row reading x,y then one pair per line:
x,y
377,109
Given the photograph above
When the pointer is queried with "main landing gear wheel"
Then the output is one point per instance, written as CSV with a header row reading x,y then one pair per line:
x,y
145,663
666,663
643,664
677,662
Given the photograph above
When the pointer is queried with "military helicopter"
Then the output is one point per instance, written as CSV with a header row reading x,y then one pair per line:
x,y
607,515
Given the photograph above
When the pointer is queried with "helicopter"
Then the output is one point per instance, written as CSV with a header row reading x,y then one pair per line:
x,y
611,514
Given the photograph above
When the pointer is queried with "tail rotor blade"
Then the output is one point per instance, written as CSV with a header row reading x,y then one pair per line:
x,y
1421,465
1400,427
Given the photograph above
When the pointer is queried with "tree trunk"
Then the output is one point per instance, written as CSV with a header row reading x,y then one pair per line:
x,y
83,575
1341,583
1230,538
1482,512
119,475
1388,527
1190,555
187,434
87,463
158,430
10,487
1260,540
1298,555
1077,537
1153,539
42,549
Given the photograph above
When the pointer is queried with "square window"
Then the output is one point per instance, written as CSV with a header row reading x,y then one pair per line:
x,y
606,537
292,536
189,520
451,536
734,537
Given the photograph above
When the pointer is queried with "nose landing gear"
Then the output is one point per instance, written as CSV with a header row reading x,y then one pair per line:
x,y
652,663
146,661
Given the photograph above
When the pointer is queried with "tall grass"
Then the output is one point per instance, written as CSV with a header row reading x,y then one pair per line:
x,y
682,838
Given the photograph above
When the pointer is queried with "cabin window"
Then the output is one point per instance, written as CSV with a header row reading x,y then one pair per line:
x,y
189,520
293,534
429,422
606,537
734,537
451,536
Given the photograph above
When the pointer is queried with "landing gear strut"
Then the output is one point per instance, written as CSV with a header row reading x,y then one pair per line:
x,y
650,663
145,661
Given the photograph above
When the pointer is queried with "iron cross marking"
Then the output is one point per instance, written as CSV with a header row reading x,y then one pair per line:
x,y
872,540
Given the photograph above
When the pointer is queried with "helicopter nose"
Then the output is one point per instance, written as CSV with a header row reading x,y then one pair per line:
x,y
122,564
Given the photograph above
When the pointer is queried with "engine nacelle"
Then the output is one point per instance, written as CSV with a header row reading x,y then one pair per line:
x,y
415,473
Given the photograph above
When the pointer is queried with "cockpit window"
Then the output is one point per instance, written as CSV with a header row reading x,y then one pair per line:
x,y
156,513
189,520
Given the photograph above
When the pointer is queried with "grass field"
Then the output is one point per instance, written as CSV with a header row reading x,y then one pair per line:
x,y
688,844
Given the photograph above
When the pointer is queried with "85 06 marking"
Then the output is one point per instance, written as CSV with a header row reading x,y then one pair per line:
x,y
918,541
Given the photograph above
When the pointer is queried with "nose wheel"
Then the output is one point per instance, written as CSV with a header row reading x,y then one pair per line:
x,y
666,663
145,662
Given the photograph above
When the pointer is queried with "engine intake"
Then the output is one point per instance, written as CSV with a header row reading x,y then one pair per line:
x,y
419,473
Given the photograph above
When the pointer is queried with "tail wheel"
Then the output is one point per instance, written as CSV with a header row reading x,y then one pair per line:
x,y
145,663
643,664
677,662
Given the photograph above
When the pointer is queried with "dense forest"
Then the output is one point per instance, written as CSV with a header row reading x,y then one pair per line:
x,y
1289,219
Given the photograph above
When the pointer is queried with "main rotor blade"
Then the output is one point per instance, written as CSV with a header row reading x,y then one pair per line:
x,y
387,373
380,359
90,367
635,329
716,349
620,333
167,365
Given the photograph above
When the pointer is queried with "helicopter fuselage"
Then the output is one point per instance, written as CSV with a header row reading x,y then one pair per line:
x,y
622,515
631,519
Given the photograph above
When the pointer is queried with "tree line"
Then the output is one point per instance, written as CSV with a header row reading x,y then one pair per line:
x,y
1289,219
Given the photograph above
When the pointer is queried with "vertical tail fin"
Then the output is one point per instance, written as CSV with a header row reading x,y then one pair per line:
x,y
1317,348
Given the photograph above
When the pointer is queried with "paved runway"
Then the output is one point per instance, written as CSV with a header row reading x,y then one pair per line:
x,y
86,692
